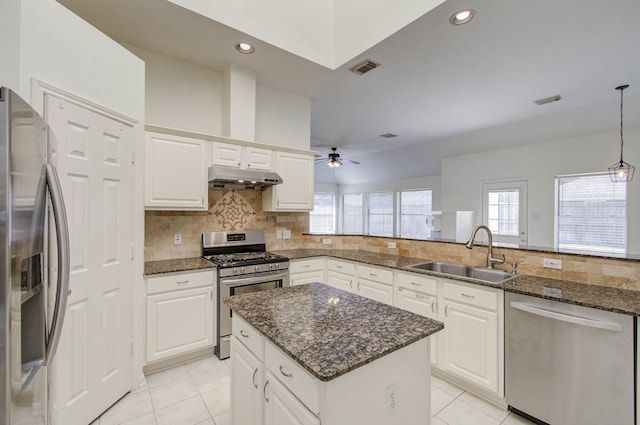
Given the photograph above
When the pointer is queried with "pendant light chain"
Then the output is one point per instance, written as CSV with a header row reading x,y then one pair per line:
x,y
621,122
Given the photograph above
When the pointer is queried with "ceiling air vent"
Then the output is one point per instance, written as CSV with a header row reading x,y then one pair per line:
x,y
364,67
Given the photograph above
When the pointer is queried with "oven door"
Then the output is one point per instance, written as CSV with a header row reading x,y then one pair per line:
x,y
235,285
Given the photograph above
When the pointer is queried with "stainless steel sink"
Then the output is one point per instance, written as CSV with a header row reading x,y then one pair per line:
x,y
460,270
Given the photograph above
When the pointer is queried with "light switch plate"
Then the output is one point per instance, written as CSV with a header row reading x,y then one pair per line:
x,y
551,263
326,242
286,234
177,239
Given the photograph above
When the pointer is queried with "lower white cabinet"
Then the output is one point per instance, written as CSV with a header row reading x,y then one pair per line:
x,y
306,271
247,381
282,407
180,316
471,346
472,342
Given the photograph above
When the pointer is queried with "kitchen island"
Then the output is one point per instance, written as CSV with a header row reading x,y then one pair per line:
x,y
314,354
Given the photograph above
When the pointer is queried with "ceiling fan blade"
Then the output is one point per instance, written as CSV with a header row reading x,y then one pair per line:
x,y
319,160
351,161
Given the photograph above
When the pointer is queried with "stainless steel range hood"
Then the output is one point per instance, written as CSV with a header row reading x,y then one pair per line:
x,y
237,179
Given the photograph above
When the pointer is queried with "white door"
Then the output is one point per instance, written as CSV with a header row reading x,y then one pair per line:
x,y
92,368
470,340
340,281
505,211
246,386
178,322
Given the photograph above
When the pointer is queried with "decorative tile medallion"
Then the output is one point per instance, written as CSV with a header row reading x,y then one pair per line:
x,y
232,212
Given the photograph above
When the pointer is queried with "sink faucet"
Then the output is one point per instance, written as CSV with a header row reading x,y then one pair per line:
x,y
490,258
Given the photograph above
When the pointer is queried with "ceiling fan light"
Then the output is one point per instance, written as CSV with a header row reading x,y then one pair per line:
x,y
333,164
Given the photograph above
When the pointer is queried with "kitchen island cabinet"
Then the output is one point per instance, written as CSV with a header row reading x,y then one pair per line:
x,y
329,357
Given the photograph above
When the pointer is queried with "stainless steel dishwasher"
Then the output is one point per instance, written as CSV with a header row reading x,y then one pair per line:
x,y
567,364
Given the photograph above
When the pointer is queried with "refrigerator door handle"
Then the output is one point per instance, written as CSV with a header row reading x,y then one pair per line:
x,y
62,236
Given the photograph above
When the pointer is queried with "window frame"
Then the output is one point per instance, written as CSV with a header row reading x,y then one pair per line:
x,y
333,211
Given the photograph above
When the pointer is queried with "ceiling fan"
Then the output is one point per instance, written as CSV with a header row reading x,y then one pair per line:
x,y
333,159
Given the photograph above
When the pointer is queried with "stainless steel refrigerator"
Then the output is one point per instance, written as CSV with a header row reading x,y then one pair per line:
x,y
32,306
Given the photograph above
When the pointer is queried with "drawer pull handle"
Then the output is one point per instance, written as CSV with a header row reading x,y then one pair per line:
x,y
306,266
243,334
253,378
445,310
288,375
358,285
338,267
433,306
415,283
468,296
373,274
421,297
182,282
351,284
264,391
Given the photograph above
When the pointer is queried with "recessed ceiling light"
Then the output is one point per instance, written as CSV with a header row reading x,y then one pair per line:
x,y
461,17
245,48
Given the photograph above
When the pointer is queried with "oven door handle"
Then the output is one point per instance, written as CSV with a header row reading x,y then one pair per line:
x,y
258,279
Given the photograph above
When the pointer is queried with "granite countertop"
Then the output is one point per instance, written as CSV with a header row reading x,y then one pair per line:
x,y
176,265
330,339
596,296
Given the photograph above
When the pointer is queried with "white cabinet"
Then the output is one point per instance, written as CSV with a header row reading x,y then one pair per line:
x,y
341,274
375,283
306,271
180,315
237,156
470,348
283,408
472,340
175,173
296,191
247,380
419,294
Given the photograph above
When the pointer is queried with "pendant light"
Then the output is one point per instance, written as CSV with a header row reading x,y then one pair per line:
x,y
621,171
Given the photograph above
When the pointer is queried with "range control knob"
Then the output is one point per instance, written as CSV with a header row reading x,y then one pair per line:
x,y
277,265
257,268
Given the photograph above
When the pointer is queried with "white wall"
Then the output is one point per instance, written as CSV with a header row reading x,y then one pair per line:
x,y
189,97
10,44
61,49
282,119
181,95
539,163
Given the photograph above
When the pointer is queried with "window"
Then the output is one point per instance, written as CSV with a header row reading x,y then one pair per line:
x,y
352,213
415,207
591,214
381,213
504,211
322,218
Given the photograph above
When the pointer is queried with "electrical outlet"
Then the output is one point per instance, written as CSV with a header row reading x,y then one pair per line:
x,y
391,245
391,399
326,242
177,239
551,263
278,233
286,234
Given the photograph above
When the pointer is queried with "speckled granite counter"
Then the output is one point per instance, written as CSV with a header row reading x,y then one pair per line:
x,y
330,339
595,296
176,265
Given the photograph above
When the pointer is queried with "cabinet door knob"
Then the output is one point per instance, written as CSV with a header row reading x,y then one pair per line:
x,y
243,334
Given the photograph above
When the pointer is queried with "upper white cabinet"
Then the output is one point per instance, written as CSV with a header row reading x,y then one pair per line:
x,y
296,191
238,156
175,173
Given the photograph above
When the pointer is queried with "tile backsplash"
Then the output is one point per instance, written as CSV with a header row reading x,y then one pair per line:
x,y
231,210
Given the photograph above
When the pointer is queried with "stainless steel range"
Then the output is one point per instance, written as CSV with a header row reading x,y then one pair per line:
x,y
243,266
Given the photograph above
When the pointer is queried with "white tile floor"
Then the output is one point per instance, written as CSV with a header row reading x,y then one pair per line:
x,y
197,393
